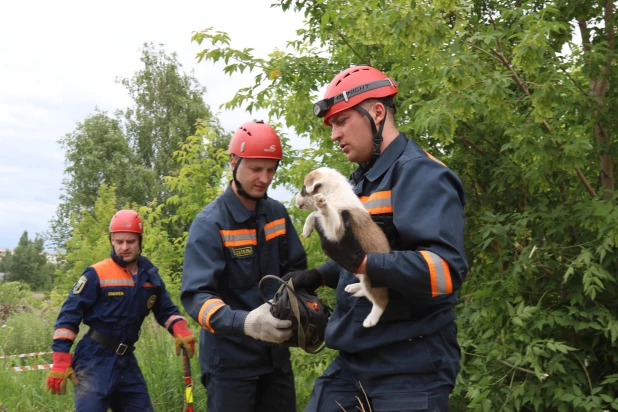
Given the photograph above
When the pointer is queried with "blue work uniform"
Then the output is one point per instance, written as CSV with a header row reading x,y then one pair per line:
x,y
229,249
113,303
410,359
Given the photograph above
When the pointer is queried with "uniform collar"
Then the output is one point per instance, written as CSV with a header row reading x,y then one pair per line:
x,y
386,159
236,208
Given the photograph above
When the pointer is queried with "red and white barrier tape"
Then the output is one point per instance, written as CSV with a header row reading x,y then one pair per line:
x,y
26,355
31,368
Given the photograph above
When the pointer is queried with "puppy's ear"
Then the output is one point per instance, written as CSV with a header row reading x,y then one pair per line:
x,y
313,185
312,181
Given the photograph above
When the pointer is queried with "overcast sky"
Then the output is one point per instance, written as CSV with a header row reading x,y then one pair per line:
x,y
59,60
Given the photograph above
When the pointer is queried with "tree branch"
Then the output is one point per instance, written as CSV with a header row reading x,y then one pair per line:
x,y
598,89
510,365
482,51
526,92
474,146
361,58
581,89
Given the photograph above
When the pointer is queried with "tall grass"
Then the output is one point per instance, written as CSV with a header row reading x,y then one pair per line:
x,y
32,331
25,391
25,332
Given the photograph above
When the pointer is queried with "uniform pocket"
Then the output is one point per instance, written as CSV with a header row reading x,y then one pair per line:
x,y
400,402
115,302
282,242
243,267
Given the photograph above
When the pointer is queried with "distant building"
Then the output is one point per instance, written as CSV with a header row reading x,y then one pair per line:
x,y
1,275
51,257
3,252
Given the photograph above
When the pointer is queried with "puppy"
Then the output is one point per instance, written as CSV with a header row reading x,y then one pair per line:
x,y
328,193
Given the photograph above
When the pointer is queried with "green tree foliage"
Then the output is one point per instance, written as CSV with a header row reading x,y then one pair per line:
x,y
98,151
518,98
89,241
198,181
200,164
28,264
12,294
133,150
167,105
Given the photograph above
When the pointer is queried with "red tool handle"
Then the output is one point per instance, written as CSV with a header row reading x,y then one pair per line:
x,y
186,364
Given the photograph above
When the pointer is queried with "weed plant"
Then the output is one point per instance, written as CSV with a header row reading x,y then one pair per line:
x,y
30,329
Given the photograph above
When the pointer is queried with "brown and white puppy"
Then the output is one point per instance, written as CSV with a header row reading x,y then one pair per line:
x,y
328,193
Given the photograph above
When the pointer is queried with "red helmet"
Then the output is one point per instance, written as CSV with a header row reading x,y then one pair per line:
x,y
351,87
126,221
256,140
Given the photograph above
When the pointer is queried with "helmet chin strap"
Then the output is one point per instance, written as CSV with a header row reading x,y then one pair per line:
x,y
239,187
377,138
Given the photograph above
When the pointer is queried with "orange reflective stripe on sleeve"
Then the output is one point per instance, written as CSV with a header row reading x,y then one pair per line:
x,y
241,237
275,228
63,333
378,203
439,274
433,158
208,309
171,319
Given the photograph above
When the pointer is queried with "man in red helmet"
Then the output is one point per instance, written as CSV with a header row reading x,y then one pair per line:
x,y
233,242
410,359
113,297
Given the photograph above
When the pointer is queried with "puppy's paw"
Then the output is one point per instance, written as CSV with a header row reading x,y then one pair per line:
x,y
320,200
307,230
309,225
370,321
355,289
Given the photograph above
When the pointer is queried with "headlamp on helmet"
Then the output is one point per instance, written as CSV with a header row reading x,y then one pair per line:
x,y
321,107
353,86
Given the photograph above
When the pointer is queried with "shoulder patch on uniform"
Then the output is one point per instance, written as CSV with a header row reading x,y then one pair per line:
x,y
79,286
242,251
151,301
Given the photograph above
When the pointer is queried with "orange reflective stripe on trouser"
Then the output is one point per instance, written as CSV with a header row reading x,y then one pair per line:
x,y
378,203
274,229
208,309
439,273
241,237
64,333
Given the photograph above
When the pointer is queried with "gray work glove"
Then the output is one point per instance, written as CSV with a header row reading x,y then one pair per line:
x,y
261,324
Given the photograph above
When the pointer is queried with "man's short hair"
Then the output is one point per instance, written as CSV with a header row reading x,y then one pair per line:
x,y
388,104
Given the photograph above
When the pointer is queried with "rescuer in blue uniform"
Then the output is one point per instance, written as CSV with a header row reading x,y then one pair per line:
x,y
113,297
410,359
233,242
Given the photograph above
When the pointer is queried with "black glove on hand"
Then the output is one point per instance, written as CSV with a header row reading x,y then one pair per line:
x,y
309,280
348,252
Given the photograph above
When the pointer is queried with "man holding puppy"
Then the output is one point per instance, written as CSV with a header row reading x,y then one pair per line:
x,y
410,359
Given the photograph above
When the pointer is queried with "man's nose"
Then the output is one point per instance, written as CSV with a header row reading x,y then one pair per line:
x,y
335,134
264,177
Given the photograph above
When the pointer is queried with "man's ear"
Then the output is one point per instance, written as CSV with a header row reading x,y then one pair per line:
x,y
233,161
379,111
